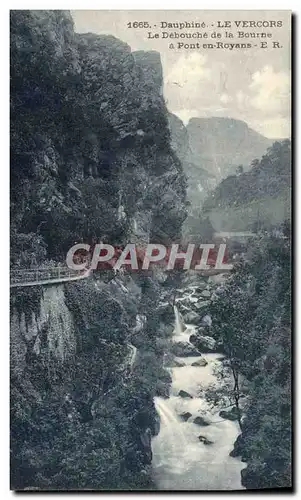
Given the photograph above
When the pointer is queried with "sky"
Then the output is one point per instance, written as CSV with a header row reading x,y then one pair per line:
x,y
252,85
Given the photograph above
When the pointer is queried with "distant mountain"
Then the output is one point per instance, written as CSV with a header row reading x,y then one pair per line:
x,y
219,159
256,199
220,145
200,180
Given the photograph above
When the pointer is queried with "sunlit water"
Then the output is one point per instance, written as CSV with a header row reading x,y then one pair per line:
x,y
180,460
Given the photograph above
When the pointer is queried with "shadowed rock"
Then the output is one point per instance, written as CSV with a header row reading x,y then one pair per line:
x,y
205,440
184,394
200,421
185,416
203,342
200,362
183,349
229,415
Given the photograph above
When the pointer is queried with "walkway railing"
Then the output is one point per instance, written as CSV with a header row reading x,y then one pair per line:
x,y
43,276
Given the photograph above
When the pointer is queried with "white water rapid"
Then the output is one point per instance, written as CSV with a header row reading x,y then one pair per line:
x,y
180,460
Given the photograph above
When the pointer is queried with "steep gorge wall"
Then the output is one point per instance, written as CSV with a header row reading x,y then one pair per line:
x,y
90,160
32,324
81,404
90,143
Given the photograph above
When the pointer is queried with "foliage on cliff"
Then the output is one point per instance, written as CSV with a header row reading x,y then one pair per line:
x,y
89,138
256,199
251,317
86,423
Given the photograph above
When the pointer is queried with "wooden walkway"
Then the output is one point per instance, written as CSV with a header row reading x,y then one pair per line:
x,y
34,277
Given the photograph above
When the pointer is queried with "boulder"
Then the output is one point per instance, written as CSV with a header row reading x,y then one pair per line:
x,y
193,338
184,394
200,362
183,349
176,363
229,415
203,342
192,317
202,304
206,294
199,288
200,421
205,440
206,320
185,416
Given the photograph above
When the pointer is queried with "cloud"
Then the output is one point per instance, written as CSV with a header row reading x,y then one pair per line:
x,y
194,86
270,90
225,98
197,86
189,70
242,100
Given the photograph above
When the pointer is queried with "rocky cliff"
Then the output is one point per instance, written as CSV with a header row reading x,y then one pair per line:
x,y
235,181
89,138
256,199
220,145
90,160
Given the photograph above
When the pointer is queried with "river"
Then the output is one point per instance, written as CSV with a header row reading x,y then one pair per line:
x,y
180,460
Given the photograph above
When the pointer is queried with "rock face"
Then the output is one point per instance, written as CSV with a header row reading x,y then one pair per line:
x,y
221,144
203,343
179,136
43,331
228,206
211,149
104,148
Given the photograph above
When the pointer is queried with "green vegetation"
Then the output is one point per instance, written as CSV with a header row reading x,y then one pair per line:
x,y
251,319
89,136
86,423
255,199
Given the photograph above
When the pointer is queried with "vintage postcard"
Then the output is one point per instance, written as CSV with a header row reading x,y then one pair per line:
x,y
150,250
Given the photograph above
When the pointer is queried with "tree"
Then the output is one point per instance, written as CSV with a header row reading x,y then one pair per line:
x,y
251,313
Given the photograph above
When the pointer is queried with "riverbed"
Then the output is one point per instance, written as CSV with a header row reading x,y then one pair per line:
x,y
180,460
